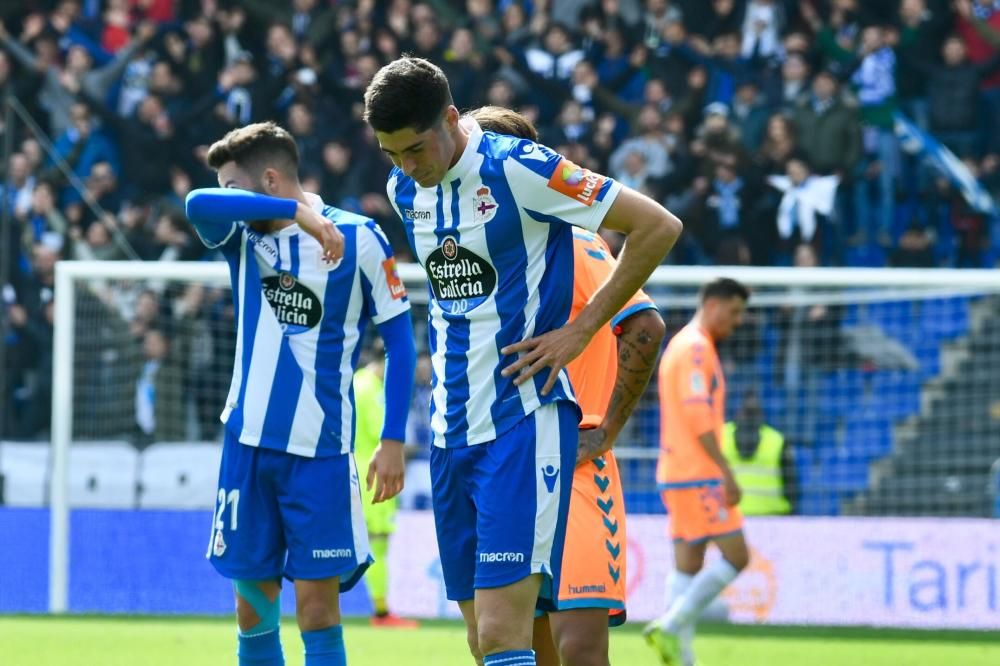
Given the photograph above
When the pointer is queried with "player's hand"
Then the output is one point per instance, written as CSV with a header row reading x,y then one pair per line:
x,y
323,230
733,492
554,350
386,470
594,442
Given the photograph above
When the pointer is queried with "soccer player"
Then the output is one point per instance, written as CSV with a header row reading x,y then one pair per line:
x,y
699,489
609,377
306,279
369,403
489,218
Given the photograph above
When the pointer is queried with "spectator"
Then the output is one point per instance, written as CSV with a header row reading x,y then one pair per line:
x,y
762,24
19,176
659,14
828,131
953,89
43,219
55,98
979,25
723,19
794,80
651,146
173,238
750,114
921,31
83,145
159,413
915,248
779,144
806,205
874,78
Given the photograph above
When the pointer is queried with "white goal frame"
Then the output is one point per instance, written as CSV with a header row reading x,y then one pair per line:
x,y
68,273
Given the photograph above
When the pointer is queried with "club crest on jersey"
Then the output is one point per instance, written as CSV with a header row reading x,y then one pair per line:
x,y
296,307
578,183
484,206
460,279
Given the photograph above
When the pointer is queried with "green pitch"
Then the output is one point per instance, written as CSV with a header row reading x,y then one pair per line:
x,y
153,641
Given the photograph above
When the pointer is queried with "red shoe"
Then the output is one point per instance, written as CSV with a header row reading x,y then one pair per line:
x,y
390,621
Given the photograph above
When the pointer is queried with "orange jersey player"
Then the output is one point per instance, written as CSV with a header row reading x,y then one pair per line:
x,y
591,593
608,378
698,487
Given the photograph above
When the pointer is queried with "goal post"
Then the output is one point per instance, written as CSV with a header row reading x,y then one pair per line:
x,y
893,406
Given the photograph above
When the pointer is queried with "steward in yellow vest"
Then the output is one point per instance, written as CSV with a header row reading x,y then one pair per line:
x,y
757,456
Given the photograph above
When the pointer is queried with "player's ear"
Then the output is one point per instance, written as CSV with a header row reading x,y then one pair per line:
x,y
270,180
451,117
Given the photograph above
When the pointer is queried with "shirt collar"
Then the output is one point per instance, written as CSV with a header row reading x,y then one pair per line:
x,y
468,158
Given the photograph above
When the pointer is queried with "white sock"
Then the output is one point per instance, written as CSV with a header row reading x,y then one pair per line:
x,y
677,586
705,587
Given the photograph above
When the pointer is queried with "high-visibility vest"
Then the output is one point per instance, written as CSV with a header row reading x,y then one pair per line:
x,y
760,475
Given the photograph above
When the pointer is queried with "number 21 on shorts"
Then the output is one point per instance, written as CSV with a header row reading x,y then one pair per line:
x,y
217,546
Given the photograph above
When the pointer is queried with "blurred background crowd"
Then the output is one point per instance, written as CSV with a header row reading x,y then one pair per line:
x,y
767,126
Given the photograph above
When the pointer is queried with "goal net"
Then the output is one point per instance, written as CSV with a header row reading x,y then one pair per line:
x,y
884,383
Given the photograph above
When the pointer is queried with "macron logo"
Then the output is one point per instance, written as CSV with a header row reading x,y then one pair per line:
x,y
517,558
331,553
416,215
550,474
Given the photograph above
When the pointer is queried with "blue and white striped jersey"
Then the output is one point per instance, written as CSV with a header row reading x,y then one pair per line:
x,y
496,242
300,322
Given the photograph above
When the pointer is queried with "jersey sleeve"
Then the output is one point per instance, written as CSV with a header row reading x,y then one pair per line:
x,y
215,212
550,188
639,302
693,387
384,292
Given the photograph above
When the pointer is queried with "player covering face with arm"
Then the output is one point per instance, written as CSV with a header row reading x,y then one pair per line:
x,y
489,218
306,279
608,379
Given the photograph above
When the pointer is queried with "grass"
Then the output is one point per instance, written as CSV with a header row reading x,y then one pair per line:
x,y
195,641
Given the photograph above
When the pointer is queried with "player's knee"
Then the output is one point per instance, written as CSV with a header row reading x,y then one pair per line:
x,y
578,648
495,636
255,612
738,558
315,614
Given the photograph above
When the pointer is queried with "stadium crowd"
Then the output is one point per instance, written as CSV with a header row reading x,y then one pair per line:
x,y
767,126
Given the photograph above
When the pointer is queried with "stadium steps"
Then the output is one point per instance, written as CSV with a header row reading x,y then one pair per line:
x,y
942,457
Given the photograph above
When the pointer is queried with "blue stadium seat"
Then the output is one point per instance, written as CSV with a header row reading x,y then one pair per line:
x,y
945,318
867,435
843,473
896,393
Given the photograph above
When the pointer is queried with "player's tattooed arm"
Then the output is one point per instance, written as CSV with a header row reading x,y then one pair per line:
x,y
638,349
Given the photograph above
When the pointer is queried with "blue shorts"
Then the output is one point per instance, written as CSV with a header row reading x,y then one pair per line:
x,y
500,508
279,514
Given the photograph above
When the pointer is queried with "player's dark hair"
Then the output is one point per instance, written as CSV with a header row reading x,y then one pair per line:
x,y
407,93
724,289
504,121
257,147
